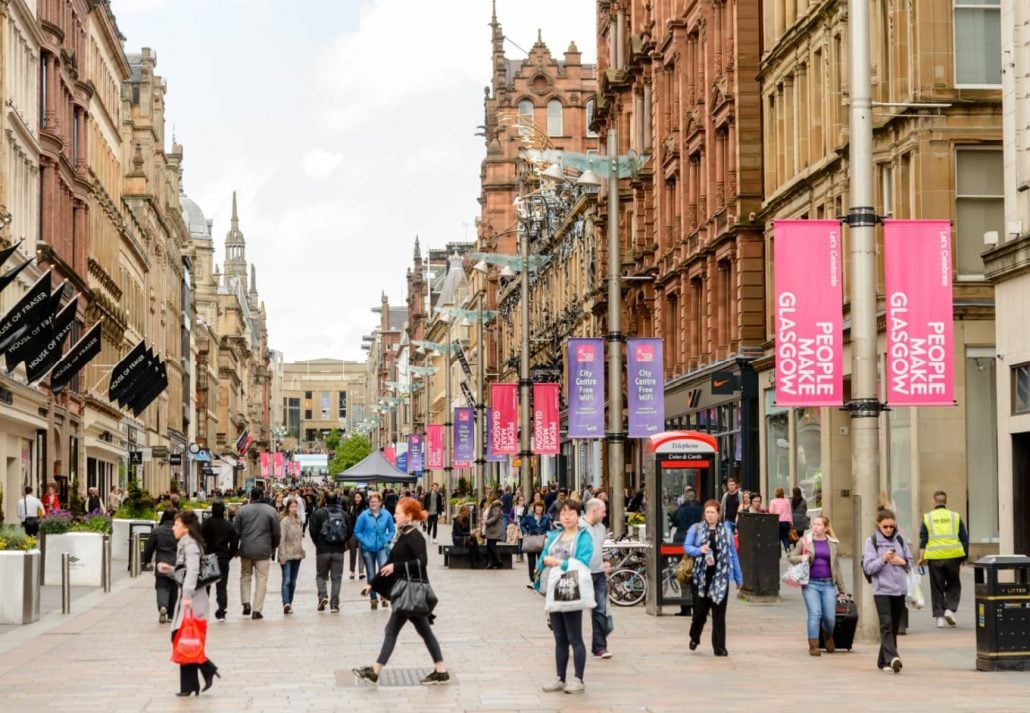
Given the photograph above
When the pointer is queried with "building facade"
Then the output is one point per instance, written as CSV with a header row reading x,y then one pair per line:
x,y
318,397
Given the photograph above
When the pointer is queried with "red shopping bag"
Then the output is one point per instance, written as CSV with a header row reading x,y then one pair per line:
x,y
188,646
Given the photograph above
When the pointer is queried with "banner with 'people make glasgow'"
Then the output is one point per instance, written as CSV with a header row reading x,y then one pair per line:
x,y
546,430
807,294
645,387
585,388
434,446
503,419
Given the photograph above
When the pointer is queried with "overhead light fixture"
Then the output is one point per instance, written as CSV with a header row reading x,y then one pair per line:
x,y
444,317
554,172
507,271
481,266
589,181
465,322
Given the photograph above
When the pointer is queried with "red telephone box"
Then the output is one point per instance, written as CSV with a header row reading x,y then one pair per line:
x,y
673,460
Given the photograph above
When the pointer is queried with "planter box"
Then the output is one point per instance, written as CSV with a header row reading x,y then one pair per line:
x,y
86,549
120,536
19,587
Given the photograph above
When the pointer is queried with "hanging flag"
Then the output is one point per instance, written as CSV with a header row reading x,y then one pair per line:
x,y
150,388
277,465
546,435
30,309
141,380
585,388
434,446
917,280
50,351
645,387
808,306
264,460
491,457
416,456
30,342
243,443
503,402
125,371
7,252
76,358
464,437
391,455
8,277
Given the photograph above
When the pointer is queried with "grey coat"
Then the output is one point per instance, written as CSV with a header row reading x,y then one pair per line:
x,y
494,522
257,524
291,547
188,555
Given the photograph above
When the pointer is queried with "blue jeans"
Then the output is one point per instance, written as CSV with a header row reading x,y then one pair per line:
x,y
599,614
373,561
291,568
821,601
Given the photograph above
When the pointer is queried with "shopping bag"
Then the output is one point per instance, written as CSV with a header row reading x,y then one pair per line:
x,y
188,645
915,597
571,590
413,597
797,574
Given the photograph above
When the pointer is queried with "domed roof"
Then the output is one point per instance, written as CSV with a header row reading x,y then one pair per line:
x,y
199,229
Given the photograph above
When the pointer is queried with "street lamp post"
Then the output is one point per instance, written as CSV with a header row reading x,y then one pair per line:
x,y
525,383
616,435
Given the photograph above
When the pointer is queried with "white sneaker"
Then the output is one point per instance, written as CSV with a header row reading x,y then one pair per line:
x,y
887,669
949,616
554,686
575,687
940,622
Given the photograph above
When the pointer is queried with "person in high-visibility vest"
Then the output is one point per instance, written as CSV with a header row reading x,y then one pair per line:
x,y
944,546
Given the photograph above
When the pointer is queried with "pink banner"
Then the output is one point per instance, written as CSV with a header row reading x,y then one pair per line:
x,y
808,306
434,446
545,419
264,465
391,455
504,405
277,464
917,280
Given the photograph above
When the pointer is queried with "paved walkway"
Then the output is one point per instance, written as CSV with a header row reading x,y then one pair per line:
x,y
113,656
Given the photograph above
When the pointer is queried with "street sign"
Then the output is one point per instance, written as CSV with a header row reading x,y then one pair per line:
x,y
468,395
135,457
462,359
175,459
159,452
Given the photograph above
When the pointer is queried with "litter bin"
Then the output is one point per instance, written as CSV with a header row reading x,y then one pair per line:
x,y
1002,613
759,555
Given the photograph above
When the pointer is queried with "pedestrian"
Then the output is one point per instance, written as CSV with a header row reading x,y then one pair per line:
x,y
780,507
593,522
221,540
518,511
331,529
555,506
462,534
189,550
161,547
710,542
114,499
569,542
887,561
94,503
374,530
434,506
685,516
731,503
535,523
493,528
944,546
257,525
799,512
302,508
408,560
291,551
356,505
754,500
389,499
550,496
29,511
825,581
50,501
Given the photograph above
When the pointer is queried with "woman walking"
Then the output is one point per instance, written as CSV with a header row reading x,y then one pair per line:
x,y
569,542
780,507
799,511
356,507
291,551
518,511
162,544
711,543
493,528
534,524
888,561
374,530
825,581
187,560
408,560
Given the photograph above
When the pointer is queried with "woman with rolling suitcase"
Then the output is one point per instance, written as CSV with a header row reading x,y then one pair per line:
x,y
825,581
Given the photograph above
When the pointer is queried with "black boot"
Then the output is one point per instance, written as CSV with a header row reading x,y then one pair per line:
x,y
209,671
188,683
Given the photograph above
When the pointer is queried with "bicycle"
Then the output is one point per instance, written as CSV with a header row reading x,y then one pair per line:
x,y
627,585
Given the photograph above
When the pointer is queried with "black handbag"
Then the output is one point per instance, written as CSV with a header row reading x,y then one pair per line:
x,y
413,597
209,573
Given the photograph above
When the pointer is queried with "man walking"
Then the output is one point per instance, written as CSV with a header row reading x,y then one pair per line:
x,y
731,503
944,545
593,522
29,510
434,506
257,526
330,531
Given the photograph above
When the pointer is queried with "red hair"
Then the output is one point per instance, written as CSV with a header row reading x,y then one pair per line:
x,y
412,508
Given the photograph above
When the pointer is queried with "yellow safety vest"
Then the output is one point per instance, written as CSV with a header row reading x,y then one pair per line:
x,y
942,526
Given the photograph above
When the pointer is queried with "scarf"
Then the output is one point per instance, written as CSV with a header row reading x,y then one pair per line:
x,y
720,582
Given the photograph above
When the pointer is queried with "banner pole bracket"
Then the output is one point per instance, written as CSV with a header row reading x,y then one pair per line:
x,y
865,408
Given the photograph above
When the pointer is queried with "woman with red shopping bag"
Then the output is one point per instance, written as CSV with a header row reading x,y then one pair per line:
x,y
189,626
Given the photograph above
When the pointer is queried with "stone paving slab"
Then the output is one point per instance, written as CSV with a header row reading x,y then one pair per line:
x,y
113,656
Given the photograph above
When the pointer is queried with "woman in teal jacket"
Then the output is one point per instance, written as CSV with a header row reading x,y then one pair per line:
x,y
710,542
374,532
570,542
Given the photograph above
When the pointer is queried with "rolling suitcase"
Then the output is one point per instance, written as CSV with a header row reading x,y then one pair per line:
x,y
844,628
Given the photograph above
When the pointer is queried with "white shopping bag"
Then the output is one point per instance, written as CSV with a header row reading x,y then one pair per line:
x,y
571,590
915,590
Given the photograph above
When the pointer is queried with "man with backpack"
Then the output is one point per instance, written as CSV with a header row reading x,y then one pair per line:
x,y
331,527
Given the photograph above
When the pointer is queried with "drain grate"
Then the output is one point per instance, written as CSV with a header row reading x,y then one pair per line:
x,y
389,678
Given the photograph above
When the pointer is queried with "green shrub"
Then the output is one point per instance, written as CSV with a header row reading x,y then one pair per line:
x,y
13,538
56,522
92,523
138,505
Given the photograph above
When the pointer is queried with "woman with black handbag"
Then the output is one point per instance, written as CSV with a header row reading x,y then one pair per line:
x,y
535,525
406,565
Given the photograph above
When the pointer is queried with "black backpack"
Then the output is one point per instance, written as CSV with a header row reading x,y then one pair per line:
x,y
336,528
869,577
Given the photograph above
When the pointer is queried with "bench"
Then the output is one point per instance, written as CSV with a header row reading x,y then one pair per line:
x,y
457,556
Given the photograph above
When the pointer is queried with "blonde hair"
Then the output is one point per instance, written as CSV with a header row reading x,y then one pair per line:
x,y
829,527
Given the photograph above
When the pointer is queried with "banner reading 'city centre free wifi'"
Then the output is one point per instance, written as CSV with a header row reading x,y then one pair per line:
x,y
917,278
808,305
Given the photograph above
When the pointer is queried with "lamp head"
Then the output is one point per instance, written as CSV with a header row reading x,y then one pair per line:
x,y
507,271
554,173
589,182
481,266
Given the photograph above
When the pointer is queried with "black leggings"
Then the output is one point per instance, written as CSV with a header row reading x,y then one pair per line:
x,y
393,628
531,563
568,631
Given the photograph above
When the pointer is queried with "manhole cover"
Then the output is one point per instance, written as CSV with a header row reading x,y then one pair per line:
x,y
389,677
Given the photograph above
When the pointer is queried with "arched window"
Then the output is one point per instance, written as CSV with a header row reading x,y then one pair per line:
x,y
526,108
590,118
555,125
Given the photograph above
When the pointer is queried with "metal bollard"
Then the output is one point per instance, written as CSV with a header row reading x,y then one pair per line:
x,y
105,564
134,563
66,583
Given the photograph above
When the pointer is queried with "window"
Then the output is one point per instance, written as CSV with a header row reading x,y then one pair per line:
x,y
526,108
307,414
979,205
341,405
293,418
325,405
311,434
555,125
1021,389
590,118
981,444
977,42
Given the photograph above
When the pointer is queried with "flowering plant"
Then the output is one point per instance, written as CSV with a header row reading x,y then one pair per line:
x,y
14,539
56,522
635,518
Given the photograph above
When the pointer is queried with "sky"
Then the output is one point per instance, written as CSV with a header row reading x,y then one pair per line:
x,y
347,127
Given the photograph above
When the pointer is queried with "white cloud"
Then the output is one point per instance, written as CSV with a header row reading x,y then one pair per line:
x,y
319,163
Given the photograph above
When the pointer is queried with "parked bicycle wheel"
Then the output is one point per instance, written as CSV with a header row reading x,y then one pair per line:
x,y
627,587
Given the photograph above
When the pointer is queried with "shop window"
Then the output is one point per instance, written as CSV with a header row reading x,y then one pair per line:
x,y
1021,389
